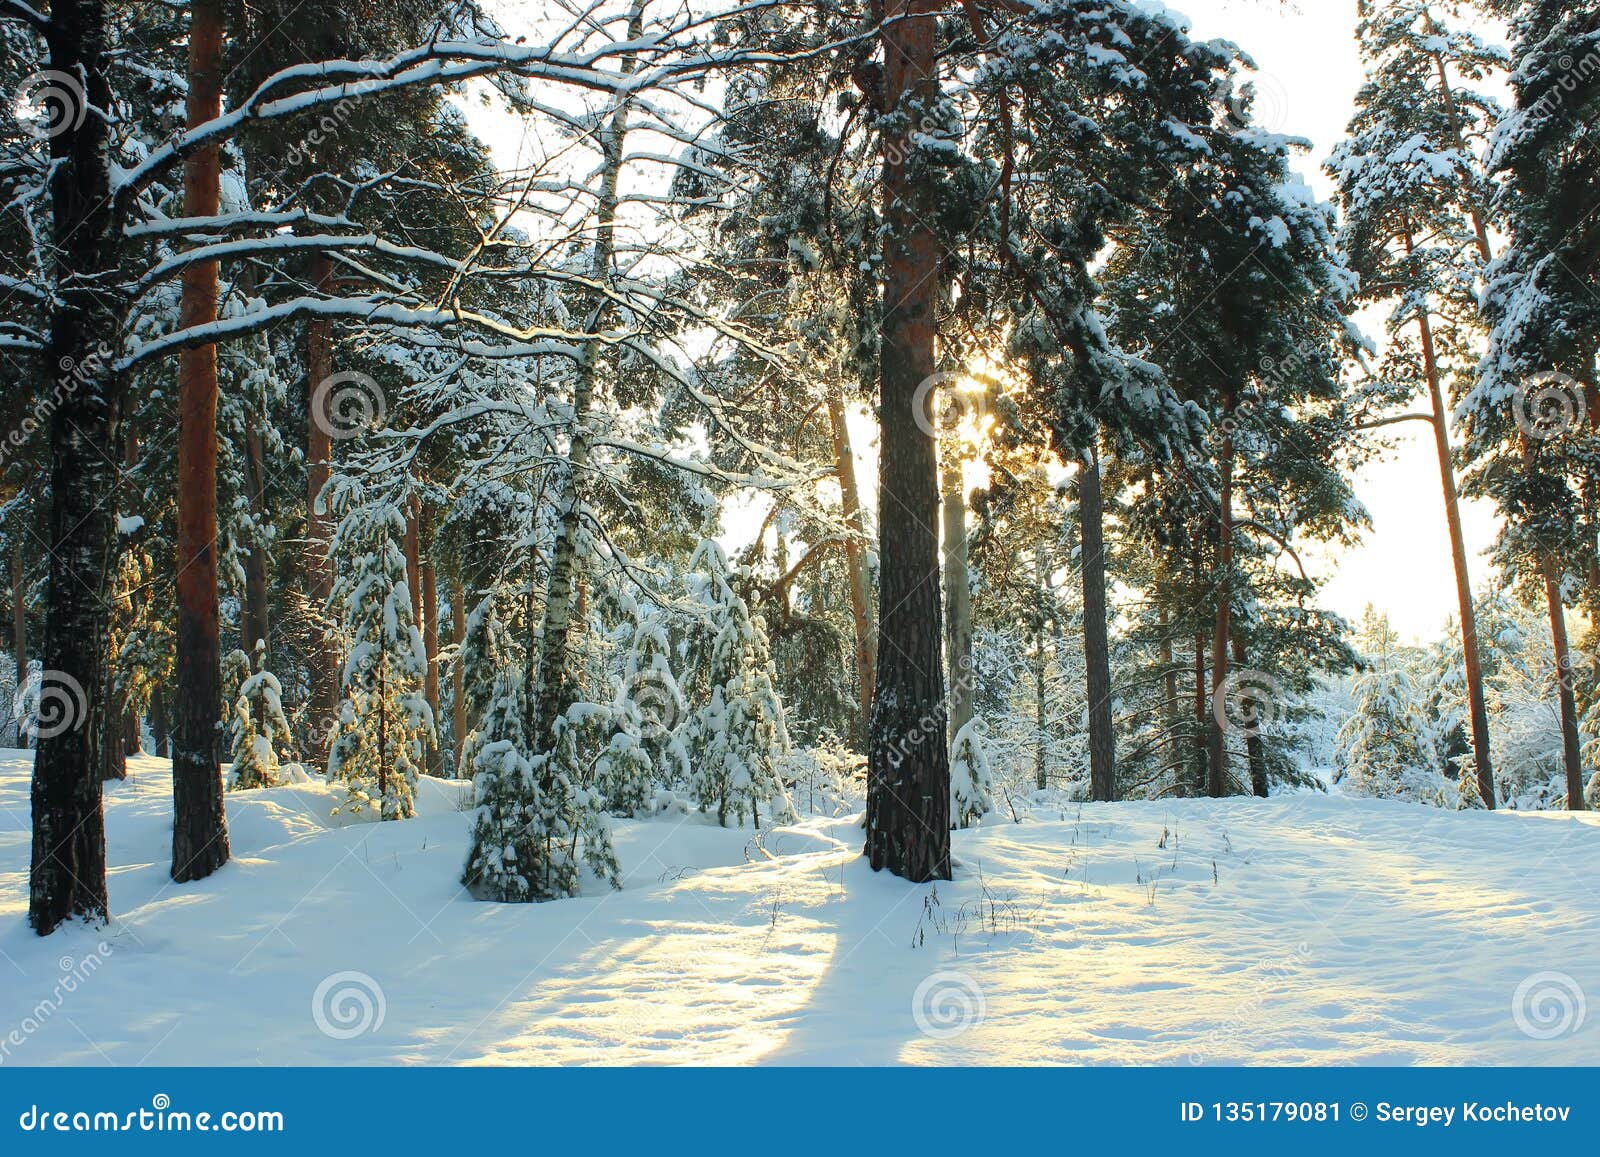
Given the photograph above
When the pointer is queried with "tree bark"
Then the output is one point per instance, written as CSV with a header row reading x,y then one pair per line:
x,y
323,657
1217,774
908,761
199,827
430,629
1096,644
1570,756
257,576
19,620
1477,705
958,602
1202,718
1254,745
67,876
866,650
552,687
458,676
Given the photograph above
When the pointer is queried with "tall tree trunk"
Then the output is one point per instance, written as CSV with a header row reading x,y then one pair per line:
x,y
158,721
1255,747
1170,711
323,658
1041,718
1477,705
1571,759
1202,718
1217,776
855,553
458,676
19,620
552,687
67,875
257,576
908,761
958,602
1096,644
199,827
430,629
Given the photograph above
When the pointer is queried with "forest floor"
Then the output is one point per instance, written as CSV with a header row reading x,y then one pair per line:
x,y
1302,929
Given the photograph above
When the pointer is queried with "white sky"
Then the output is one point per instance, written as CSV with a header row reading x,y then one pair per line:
x,y
1309,73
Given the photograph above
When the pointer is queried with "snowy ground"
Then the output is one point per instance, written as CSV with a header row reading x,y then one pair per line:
x,y
1302,929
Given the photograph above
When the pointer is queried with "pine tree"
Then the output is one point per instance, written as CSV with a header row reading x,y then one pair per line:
x,y
737,736
1383,747
384,719
971,779
259,729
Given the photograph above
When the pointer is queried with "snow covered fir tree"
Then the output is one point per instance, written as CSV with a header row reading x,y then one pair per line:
x,y
707,463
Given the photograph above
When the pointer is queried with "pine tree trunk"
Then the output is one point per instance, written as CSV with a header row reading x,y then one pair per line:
x,y
323,658
19,619
1170,711
430,631
958,603
1202,717
908,761
257,577
1096,644
67,876
1217,777
199,827
158,721
458,676
1477,705
1254,745
866,650
1571,758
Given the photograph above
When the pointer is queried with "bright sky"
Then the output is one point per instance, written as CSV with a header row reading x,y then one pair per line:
x,y
1309,74
1310,71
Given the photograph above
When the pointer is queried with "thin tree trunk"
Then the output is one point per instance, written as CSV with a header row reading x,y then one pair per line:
x,y
958,602
67,875
552,688
323,658
1255,747
1570,756
866,650
1096,644
430,629
257,577
19,621
158,721
199,828
1476,702
908,760
1202,718
1217,777
458,677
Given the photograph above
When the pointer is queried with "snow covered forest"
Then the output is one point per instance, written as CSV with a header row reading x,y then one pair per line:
x,y
625,487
